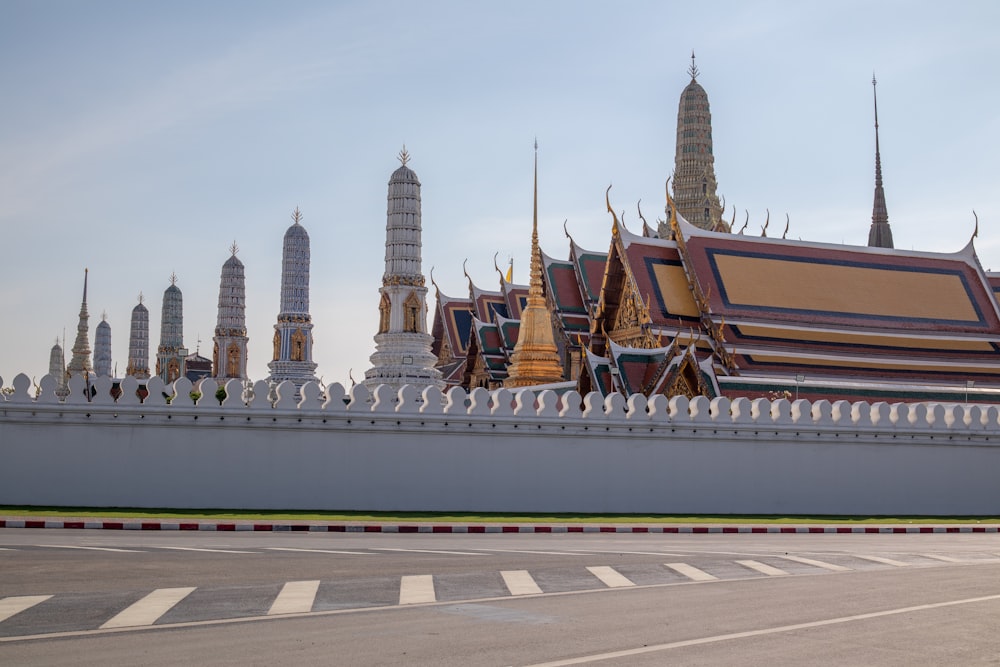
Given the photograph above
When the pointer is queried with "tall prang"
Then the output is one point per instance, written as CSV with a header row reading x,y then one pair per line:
x,y
138,343
170,353
535,359
879,234
80,363
229,358
293,339
57,368
102,348
694,162
402,345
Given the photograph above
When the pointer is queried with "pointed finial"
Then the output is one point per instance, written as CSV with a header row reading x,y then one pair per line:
x,y
403,156
104,316
745,222
975,232
763,230
788,221
173,278
141,297
86,272
234,248
296,215
693,70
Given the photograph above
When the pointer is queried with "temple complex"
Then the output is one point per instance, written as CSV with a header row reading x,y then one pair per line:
x,y
229,359
171,353
402,345
138,343
293,339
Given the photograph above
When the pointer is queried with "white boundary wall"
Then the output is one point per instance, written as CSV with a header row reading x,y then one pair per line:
x,y
494,452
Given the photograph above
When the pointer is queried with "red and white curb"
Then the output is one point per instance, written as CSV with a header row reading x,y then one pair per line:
x,y
490,528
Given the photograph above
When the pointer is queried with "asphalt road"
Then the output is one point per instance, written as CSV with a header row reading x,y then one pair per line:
x,y
124,598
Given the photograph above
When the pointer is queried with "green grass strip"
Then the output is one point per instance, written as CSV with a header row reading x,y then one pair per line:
x,y
471,517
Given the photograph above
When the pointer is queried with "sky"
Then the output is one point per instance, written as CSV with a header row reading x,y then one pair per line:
x,y
141,139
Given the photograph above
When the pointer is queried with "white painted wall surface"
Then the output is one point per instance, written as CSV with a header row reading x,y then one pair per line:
x,y
502,453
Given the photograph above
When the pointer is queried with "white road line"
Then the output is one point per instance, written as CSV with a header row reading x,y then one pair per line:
x,y
617,655
883,559
147,610
322,551
817,563
296,597
946,559
541,553
417,589
614,551
15,605
431,551
520,582
692,573
69,546
213,551
611,577
763,568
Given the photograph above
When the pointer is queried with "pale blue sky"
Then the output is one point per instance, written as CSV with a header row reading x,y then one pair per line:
x,y
139,139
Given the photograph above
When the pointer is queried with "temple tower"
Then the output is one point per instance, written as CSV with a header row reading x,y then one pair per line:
x,y
402,345
694,163
138,343
80,363
171,352
293,339
102,348
57,368
229,359
535,359
879,234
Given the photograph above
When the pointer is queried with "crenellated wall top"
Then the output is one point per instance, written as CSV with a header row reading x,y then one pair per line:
x,y
501,405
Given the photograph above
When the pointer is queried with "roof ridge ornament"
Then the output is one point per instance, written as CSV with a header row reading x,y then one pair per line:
x,y
403,156
975,232
693,70
297,215
234,248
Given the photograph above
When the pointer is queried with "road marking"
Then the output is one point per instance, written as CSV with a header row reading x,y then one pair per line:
x,y
147,610
758,633
817,563
946,559
541,553
431,551
520,582
692,573
69,546
417,589
211,551
763,568
322,551
15,605
615,551
296,597
882,559
610,576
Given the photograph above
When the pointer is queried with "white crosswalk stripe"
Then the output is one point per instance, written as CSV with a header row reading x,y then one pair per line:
x,y
15,605
691,572
147,610
817,563
520,582
883,560
763,568
610,576
296,597
417,589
